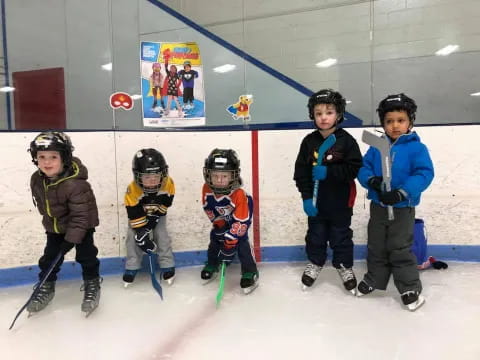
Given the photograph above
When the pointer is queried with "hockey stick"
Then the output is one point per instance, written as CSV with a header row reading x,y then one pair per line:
x,y
38,286
322,149
221,285
156,285
383,145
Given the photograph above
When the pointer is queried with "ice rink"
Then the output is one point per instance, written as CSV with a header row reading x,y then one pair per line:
x,y
277,321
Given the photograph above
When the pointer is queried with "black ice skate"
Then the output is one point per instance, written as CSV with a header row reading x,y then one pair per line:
x,y
42,298
209,273
348,277
249,282
412,300
364,288
169,275
310,274
91,298
129,277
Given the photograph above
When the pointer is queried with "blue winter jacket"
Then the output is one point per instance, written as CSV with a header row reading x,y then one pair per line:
x,y
412,169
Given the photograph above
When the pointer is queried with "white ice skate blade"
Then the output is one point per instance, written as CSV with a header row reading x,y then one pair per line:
x,y
250,289
305,287
353,291
417,304
126,284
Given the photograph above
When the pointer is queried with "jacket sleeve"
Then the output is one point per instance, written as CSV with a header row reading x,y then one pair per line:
x,y
367,170
347,170
303,172
80,202
422,172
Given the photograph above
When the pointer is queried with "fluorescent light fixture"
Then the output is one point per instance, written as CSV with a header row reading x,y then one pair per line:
x,y
349,101
447,50
224,68
7,89
326,63
107,67
136,96
475,94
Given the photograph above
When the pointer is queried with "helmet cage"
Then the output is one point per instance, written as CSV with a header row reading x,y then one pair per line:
x,y
149,162
327,96
397,102
52,141
224,161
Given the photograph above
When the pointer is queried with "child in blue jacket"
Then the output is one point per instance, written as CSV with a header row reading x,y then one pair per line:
x,y
390,241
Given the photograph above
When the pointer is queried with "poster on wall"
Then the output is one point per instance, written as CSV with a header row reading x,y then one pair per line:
x,y
172,84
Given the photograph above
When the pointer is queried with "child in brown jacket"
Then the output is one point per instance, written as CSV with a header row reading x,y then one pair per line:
x,y
67,204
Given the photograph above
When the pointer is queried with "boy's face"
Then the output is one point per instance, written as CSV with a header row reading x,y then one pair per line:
x,y
396,123
50,162
151,180
187,68
325,116
221,179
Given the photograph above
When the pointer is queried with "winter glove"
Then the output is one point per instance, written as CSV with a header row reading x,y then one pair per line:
x,y
142,239
437,264
219,230
152,221
391,197
226,255
375,182
66,246
319,172
308,207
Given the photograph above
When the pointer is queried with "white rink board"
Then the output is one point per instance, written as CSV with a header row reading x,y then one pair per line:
x,y
450,207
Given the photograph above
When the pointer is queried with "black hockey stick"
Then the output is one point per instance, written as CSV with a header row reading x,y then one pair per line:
x,y
38,286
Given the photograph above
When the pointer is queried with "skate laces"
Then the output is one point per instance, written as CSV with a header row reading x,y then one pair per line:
x,y
90,287
312,270
346,274
43,292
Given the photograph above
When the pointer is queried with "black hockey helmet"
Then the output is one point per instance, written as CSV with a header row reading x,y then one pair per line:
x,y
396,103
223,160
327,96
52,141
149,162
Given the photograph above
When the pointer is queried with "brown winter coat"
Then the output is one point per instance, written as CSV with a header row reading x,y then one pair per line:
x,y
67,204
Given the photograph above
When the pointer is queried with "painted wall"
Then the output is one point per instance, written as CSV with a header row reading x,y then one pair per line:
x,y
450,207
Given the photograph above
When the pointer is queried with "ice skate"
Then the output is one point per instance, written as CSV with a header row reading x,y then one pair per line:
x,y
412,300
364,289
91,298
169,275
129,277
348,277
209,273
249,282
42,298
310,274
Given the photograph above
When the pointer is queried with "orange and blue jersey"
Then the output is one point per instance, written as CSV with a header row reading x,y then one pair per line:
x,y
233,211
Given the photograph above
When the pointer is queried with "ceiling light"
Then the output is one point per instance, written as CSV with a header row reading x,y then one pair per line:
x,y
326,63
107,67
224,68
7,89
447,50
349,101
475,94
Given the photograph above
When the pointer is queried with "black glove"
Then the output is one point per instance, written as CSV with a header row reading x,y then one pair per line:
x,y
375,182
152,221
142,239
66,246
391,197
218,231
226,255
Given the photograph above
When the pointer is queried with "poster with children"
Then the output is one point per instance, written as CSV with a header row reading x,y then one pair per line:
x,y
172,84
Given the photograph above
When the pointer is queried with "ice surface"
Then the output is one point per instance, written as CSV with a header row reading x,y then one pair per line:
x,y
276,321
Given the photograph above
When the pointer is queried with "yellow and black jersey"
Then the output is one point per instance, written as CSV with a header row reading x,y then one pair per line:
x,y
141,205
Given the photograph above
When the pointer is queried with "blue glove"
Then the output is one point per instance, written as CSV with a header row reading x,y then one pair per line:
x,y
319,172
142,239
308,207
226,255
